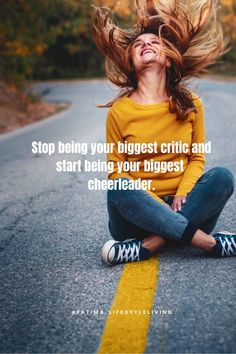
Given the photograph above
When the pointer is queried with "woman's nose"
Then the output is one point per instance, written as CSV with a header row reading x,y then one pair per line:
x,y
146,43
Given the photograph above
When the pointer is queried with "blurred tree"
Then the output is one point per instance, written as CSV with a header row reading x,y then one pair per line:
x,y
53,38
73,51
24,35
227,15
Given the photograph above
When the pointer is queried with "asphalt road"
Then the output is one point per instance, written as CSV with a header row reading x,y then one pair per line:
x,y
52,229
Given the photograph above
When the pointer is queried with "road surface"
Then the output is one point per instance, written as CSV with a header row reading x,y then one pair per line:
x,y
53,228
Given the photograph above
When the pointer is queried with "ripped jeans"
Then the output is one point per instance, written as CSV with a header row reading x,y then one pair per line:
x,y
136,214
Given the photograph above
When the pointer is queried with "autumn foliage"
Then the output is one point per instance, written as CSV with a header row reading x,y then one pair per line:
x,y
53,39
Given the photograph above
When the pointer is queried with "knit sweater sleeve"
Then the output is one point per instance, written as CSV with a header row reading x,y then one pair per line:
x,y
196,161
113,135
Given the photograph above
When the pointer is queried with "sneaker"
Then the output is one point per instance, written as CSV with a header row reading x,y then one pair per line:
x,y
225,244
114,252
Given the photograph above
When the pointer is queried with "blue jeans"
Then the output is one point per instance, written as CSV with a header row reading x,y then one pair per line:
x,y
136,214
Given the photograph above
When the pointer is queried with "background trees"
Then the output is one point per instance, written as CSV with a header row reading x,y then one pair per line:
x,y
53,38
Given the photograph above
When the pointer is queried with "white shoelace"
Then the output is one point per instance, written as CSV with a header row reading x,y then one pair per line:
x,y
128,253
228,246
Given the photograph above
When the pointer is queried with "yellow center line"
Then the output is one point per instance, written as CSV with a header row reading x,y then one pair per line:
x,y
127,333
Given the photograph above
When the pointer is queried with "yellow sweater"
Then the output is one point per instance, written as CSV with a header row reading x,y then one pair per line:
x,y
132,122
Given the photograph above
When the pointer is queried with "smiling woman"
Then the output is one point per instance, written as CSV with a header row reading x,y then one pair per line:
x,y
146,47
187,32
172,41
145,50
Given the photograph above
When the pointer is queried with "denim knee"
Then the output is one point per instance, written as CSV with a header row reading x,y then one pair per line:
x,y
223,179
114,194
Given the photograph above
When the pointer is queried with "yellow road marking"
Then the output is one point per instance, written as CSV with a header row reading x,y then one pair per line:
x,y
127,333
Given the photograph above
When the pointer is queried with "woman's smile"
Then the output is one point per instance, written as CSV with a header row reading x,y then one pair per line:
x,y
146,51
147,48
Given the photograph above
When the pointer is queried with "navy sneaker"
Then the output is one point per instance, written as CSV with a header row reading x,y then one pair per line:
x,y
225,244
114,252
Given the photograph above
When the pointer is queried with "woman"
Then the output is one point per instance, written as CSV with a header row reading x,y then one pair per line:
x,y
169,44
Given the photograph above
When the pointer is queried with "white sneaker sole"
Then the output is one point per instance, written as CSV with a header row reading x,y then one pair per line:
x,y
225,233
107,254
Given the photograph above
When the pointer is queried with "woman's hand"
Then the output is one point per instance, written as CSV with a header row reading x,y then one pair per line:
x,y
177,202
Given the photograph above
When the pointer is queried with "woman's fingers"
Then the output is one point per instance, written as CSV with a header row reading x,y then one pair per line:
x,y
174,204
183,200
177,203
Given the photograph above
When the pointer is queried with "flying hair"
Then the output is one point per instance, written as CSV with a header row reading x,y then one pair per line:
x,y
191,34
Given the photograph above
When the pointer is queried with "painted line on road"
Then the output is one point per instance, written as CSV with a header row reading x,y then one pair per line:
x,y
127,333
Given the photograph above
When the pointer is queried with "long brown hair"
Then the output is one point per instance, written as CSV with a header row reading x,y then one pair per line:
x,y
190,32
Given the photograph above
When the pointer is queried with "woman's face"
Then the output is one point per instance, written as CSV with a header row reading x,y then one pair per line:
x,y
147,48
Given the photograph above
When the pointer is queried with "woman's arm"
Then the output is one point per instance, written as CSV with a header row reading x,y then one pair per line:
x,y
196,161
113,135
